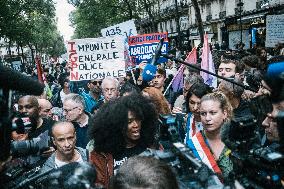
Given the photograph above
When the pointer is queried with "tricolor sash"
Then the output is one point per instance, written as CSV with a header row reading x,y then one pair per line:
x,y
196,142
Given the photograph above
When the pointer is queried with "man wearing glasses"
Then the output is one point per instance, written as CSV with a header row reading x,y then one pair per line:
x,y
94,96
73,111
110,90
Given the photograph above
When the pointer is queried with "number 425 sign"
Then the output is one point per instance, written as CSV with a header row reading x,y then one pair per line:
x,y
124,29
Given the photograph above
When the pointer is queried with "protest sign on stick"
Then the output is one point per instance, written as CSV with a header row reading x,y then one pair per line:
x,y
142,47
96,58
124,29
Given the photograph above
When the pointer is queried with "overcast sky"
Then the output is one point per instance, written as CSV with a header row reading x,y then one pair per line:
x,y
62,12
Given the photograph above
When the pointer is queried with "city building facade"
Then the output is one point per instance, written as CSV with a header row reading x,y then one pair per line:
x,y
223,20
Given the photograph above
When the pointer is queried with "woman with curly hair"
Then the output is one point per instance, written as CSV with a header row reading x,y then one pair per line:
x,y
122,128
160,102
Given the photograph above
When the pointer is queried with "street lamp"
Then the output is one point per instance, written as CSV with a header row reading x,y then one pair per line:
x,y
240,6
178,26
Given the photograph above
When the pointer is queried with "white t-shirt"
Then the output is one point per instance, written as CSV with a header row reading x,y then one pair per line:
x,y
62,96
59,163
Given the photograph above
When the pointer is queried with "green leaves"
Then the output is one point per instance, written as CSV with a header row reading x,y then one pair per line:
x,y
93,15
30,22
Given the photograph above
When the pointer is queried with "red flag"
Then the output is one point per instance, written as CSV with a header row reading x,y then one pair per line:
x,y
42,78
39,70
192,57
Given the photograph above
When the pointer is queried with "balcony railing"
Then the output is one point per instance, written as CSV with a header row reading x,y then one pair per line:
x,y
222,14
208,17
262,4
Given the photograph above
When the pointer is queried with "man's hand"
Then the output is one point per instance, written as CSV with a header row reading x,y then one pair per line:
x,y
176,110
48,152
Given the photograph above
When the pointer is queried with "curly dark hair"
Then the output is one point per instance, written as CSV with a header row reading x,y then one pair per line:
x,y
127,87
111,123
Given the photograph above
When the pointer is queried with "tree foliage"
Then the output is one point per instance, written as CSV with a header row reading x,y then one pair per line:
x,y
31,23
91,16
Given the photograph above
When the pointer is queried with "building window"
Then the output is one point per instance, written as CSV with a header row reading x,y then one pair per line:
x,y
222,6
208,9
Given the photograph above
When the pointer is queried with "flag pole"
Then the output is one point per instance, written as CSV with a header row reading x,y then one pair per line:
x,y
133,77
182,67
200,69
179,70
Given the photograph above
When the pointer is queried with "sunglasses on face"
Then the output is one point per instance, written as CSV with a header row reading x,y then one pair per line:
x,y
96,82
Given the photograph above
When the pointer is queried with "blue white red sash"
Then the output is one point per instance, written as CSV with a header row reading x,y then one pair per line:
x,y
195,141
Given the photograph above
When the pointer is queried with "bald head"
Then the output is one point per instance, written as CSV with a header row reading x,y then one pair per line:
x,y
62,127
29,106
30,99
45,108
64,138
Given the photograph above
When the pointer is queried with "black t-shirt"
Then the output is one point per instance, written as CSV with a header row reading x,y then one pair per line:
x,y
120,158
46,126
81,135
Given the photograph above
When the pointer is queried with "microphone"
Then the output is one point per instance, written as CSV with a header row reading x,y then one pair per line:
x,y
225,134
158,52
150,70
14,80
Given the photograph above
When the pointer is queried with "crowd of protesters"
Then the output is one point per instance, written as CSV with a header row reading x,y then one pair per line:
x,y
105,122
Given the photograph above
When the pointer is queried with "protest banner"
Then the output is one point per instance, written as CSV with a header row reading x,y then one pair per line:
x,y
96,58
125,29
142,47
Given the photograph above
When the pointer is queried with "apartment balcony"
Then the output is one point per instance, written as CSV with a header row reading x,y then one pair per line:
x,y
209,18
237,11
222,15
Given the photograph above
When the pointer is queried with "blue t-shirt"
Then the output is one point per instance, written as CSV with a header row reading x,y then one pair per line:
x,y
90,102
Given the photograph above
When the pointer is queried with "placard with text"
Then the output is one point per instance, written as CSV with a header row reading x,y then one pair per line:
x,y
96,58
142,47
124,29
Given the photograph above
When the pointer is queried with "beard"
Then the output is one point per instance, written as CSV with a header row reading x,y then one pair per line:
x,y
97,91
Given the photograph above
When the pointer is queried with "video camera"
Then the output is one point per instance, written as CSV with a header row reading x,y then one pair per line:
x,y
255,166
22,124
191,173
253,79
241,133
72,176
171,128
31,147
12,80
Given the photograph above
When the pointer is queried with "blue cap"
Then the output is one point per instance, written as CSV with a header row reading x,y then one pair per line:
x,y
276,70
149,72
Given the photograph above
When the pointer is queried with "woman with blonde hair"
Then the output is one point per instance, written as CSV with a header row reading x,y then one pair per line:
x,y
215,110
160,102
